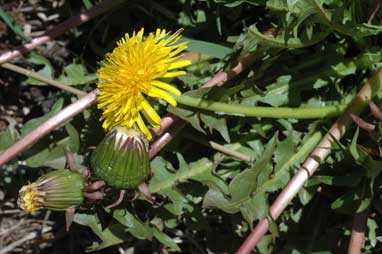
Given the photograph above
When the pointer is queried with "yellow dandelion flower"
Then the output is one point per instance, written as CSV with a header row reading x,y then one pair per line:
x,y
30,200
135,68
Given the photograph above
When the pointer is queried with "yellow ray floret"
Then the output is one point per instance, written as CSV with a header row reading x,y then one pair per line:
x,y
135,69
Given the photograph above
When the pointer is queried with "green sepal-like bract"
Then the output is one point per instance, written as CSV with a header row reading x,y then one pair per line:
x,y
57,190
121,159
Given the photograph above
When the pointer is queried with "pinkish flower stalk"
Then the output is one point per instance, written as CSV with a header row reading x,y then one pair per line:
x,y
166,137
90,99
60,29
220,78
311,164
168,120
358,230
47,126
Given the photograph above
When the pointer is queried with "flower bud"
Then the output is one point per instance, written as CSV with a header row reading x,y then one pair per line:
x,y
122,159
57,190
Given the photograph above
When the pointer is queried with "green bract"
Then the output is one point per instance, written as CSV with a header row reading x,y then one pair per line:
x,y
121,159
57,190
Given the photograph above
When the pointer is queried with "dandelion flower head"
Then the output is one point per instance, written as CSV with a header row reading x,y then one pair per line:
x,y
136,68
56,190
31,199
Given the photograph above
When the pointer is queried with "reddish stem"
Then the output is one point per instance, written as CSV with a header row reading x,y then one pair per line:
x,y
362,123
49,125
312,162
374,11
69,216
145,191
97,195
168,120
94,186
90,99
223,77
60,29
375,111
358,232
163,140
70,162
122,194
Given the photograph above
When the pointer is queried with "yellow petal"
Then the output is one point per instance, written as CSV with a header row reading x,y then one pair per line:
x,y
176,49
159,93
143,128
150,114
174,74
166,86
179,64
175,36
133,70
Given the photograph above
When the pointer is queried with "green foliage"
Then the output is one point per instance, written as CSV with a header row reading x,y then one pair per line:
x,y
7,138
10,21
108,236
206,48
72,74
76,74
34,123
306,54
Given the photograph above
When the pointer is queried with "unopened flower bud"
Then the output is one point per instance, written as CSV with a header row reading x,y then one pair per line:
x,y
121,159
57,190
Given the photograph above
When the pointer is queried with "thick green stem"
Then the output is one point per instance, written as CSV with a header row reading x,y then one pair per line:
x,y
266,112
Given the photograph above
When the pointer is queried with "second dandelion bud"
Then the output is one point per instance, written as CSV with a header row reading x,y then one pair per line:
x,y
135,69
57,190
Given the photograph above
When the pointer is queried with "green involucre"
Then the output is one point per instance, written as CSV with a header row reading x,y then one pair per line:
x,y
121,159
